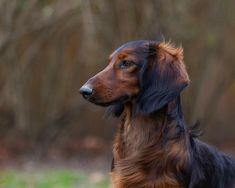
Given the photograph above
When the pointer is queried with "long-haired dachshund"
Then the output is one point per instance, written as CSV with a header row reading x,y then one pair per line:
x,y
153,149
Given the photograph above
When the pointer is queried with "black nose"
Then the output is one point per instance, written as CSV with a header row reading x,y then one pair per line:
x,y
86,91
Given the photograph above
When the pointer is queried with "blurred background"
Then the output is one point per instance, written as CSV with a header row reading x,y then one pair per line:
x,y
49,135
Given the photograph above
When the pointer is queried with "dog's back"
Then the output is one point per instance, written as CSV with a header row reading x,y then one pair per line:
x,y
210,168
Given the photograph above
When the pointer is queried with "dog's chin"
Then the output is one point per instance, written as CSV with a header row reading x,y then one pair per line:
x,y
99,102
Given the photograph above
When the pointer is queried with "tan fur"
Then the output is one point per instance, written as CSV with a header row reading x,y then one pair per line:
x,y
176,52
133,155
167,52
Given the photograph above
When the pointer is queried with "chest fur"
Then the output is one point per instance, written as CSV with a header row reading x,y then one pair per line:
x,y
142,159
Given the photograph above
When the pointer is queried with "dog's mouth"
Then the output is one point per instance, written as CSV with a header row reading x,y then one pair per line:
x,y
102,102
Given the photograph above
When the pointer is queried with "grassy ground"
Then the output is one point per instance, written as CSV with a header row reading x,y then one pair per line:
x,y
52,179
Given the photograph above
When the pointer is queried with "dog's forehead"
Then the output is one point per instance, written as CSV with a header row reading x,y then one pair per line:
x,y
130,46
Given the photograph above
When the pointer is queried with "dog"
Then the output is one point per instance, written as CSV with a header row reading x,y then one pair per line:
x,y
153,148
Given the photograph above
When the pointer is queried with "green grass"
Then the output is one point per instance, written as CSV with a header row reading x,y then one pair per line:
x,y
52,179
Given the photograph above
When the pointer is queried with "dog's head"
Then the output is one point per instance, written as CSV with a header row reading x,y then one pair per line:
x,y
148,73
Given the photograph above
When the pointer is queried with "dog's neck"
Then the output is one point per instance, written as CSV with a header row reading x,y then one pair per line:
x,y
158,140
158,128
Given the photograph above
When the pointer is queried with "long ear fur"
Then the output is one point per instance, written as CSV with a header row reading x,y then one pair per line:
x,y
162,78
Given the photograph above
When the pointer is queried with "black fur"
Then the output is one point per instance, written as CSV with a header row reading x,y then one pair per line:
x,y
115,110
206,167
209,167
157,87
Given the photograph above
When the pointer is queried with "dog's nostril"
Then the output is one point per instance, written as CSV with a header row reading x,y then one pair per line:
x,y
86,90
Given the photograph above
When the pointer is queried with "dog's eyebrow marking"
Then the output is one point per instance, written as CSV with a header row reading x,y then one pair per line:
x,y
122,55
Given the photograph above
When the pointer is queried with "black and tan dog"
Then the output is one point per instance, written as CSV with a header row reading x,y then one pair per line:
x,y
153,149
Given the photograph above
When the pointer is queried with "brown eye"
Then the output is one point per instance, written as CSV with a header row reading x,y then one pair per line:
x,y
126,64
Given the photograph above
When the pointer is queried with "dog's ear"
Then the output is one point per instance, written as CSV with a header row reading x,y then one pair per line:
x,y
162,78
